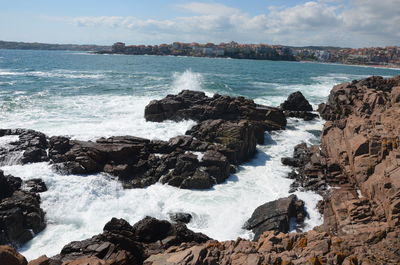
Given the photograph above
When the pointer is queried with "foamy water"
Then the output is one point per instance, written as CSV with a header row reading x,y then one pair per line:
x,y
109,99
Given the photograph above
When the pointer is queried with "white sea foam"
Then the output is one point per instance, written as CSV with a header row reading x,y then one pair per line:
x,y
78,207
54,73
89,117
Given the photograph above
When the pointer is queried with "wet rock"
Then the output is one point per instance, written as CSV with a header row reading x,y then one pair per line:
x,y
180,217
297,106
29,148
238,137
275,215
20,218
35,185
199,107
296,102
20,214
121,243
8,184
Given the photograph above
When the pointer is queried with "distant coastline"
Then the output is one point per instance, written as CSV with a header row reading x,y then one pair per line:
x,y
382,57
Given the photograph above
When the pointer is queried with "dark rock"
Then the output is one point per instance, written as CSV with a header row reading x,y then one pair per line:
x,y
180,217
36,185
296,102
197,106
8,184
238,137
121,243
29,148
20,218
150,230
275,215
305,115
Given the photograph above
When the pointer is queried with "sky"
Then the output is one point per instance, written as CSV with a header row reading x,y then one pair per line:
x,y
344,23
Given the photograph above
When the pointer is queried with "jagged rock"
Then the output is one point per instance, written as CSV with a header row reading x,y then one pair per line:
x,y
180,217
29,148
297,106
238,137
8,184
121,243
20,218
35,185
310,171
296,102
275,215
197,106
20,214
9,256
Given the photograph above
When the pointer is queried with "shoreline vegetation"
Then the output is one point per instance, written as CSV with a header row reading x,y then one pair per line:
x,y
387,57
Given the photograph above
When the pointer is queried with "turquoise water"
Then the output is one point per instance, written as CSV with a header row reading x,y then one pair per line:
x,y
88,96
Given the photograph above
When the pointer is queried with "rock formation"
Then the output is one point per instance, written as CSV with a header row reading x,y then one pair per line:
x,y
20,214
297,106
121,243
227,134
197,106
29,148
276,216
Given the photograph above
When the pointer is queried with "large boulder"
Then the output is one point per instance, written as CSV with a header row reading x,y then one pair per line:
x,y
296,102
297,106
276,216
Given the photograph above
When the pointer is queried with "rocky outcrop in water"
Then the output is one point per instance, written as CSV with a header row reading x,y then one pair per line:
x,y
226,135
29,148
20,214
197,106
276,216
120,243
297,106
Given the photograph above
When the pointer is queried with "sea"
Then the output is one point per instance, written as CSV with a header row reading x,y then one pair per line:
x,y
86,96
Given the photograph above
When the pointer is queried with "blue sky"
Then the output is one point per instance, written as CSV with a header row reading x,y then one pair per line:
x,y
352,23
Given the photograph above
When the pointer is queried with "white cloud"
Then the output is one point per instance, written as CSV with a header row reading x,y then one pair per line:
x,y
323,22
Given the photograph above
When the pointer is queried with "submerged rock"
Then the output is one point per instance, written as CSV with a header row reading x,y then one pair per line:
x,y
35,185
181,217
276,216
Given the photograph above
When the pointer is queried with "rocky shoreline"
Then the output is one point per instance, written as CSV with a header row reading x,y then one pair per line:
x,y
356,169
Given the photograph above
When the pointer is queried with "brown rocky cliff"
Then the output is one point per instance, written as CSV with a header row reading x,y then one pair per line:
x,y
359,158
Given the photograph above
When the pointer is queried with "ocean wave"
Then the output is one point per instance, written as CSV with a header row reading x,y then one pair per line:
x,y
54,74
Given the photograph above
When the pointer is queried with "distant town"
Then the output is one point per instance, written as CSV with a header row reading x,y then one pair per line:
x,y
381,56
378,56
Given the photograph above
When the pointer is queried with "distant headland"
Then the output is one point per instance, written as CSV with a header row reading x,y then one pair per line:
x,y
373,56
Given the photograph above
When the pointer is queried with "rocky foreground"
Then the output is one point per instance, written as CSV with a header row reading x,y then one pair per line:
x,y
356,168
